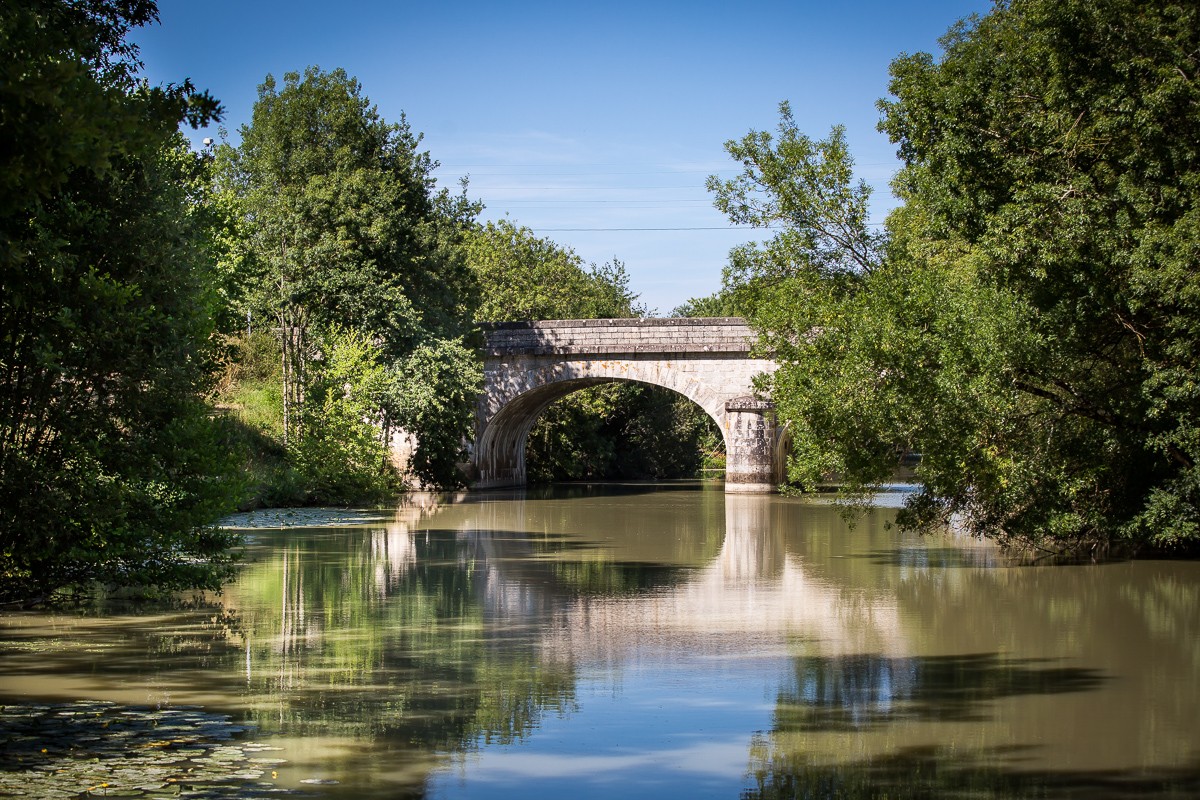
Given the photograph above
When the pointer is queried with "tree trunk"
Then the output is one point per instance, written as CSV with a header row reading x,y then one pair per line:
x,y
293,336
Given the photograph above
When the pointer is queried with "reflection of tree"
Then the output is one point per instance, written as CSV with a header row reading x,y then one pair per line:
x,y
381,633
931,772
1167,603
547,543
853,692
432,637
913,668
845,696
1097,699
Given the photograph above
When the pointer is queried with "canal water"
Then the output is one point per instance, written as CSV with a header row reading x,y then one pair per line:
x,y
642,641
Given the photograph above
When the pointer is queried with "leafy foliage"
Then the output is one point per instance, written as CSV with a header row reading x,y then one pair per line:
x,y
435,389
342,458
807,186
338,217
799,289
111,469
1068,171
719,304
522,276
334,222
1031,324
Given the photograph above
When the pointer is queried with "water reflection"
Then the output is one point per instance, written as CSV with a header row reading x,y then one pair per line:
x,y
754,593
909,773
857,692
662,641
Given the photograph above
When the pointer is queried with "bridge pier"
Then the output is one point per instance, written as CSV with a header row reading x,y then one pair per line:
x,y
750,446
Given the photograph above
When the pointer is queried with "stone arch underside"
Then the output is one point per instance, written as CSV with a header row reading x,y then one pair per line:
x,y
517,393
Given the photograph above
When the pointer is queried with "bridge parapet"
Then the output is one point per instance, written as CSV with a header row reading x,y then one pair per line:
x,y
608,337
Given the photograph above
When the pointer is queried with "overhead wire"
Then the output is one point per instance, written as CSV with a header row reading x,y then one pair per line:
x,y
609,204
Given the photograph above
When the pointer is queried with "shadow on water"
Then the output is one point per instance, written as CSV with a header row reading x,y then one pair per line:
x,y
940,772
845,693
940,558
855,694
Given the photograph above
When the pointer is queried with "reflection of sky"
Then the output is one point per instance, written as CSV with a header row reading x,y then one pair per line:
x,y
650,729
675,683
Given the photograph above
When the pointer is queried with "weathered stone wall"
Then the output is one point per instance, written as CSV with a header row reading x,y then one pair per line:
x,y
529,365
594,337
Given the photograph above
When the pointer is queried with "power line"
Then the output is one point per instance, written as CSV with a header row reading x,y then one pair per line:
x,y
696,228
568,173
586,188
554,201
662,171
701,228
665,170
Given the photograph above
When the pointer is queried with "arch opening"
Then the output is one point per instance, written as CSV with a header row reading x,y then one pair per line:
x,y
502,443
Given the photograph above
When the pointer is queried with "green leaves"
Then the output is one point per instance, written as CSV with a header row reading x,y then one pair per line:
x,y
524,277
342,458
1029,326
807,187
1058,140
334,226
336,215
111,468
434,391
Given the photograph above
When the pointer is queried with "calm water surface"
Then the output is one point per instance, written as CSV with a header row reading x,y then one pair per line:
x,y
657,642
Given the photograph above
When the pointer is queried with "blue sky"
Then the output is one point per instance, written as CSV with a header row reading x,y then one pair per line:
x,y
581,121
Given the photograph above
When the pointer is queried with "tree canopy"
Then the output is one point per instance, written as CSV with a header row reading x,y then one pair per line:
x,y
335,222
1030,323
110,468
522,276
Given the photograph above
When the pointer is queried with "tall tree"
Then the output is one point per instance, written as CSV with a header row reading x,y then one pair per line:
x,y
800,290
338,223
110,468
1057,144
1033,327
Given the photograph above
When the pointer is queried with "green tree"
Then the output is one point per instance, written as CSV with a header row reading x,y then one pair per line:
x,y
718,304
799,289
111,469
1031,327
336,222
522,276
1057,145
342,457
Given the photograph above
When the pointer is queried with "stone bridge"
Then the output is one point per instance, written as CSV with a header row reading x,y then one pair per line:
x,y
529,365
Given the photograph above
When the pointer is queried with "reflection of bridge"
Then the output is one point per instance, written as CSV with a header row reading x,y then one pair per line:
x,y
756,593
529,365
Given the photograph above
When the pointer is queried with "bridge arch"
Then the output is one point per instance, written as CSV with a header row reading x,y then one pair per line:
x,y
528,366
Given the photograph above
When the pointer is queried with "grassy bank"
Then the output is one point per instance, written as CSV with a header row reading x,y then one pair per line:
x,y
329,465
